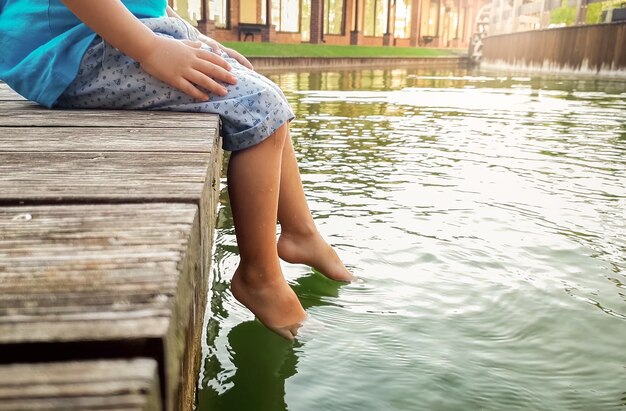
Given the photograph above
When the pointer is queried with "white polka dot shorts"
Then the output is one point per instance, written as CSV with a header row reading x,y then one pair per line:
x,y
253,109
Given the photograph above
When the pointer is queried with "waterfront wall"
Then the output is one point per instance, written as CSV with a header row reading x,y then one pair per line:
x,y
588,49
325,63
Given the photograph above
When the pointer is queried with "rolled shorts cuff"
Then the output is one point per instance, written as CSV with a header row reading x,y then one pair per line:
x,y
255,135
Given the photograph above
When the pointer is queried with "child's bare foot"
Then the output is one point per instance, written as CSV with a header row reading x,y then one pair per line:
x,y
315,252
273,302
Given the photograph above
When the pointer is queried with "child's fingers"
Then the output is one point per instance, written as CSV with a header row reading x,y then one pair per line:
x,y
215,72
194,44
215,46
207,83
188,88
213,58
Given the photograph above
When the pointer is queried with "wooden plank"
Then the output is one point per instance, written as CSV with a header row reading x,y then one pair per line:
x,y
76,139
112,305
86,385
102,177
79,167
108,261
28,114
208,218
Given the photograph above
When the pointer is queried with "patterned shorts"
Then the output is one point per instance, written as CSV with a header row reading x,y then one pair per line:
x,y
253,109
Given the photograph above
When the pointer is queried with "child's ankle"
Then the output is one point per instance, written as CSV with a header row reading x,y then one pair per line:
x,y
301,233
258,274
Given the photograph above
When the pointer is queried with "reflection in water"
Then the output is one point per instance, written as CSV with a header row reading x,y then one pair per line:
x,y
485,216
315,290
262,360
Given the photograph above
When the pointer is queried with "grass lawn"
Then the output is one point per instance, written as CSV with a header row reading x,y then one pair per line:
x,y
254,49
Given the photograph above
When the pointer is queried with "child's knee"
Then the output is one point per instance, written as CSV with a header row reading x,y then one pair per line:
x,y
280,135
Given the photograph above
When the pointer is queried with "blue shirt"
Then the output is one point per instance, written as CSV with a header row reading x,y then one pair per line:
x,y
42,44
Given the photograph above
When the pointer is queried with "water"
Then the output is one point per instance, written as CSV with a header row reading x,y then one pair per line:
x,y
484,214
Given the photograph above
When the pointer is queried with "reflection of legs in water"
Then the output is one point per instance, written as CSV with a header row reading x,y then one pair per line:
x,y
261,362
263,183
315,290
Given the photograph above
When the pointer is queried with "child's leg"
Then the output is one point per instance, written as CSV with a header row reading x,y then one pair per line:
x,y
258,283
300,242
252,109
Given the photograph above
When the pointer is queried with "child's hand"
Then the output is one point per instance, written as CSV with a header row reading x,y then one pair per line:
x,y
187,67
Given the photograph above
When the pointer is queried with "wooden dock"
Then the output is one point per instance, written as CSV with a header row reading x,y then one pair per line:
x,y
106,231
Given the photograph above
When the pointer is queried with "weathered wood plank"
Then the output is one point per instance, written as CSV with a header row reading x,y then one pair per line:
x,y
76,139
28,114
160,240
86,385
102,176
106,171
41,246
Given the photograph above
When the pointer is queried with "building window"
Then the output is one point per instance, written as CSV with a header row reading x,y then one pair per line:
x,y
433,19
460,26
264,13
305,23
375,17
286,15
252,11
403,19
430,22
219,13
190,10
333,16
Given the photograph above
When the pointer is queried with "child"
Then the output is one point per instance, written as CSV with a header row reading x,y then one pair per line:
x,y
145,57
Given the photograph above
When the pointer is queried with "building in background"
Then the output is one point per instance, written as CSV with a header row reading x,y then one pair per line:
x,y
512,16
410,23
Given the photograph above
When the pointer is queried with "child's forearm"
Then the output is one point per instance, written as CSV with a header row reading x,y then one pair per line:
x,y
115,24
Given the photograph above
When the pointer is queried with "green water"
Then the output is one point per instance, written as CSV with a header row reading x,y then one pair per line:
x,y
486,217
